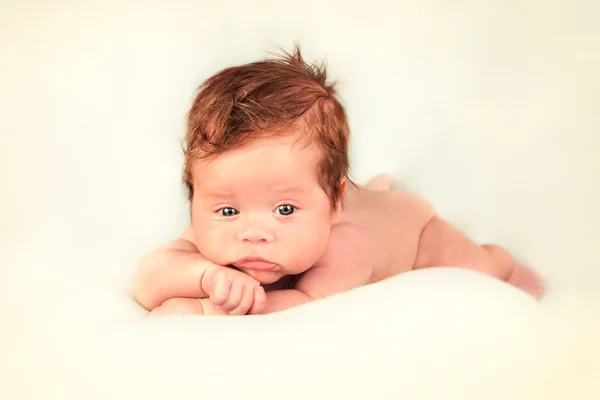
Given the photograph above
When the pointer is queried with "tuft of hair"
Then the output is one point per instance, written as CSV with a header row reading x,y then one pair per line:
x,y
274,96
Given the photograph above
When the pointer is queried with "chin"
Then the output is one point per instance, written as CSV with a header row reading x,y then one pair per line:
x,y
265,277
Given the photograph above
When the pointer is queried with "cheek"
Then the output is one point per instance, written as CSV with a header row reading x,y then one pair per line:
x,y
306,241
312,237
211,240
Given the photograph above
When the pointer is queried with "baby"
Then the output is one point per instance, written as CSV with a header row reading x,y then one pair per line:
x,y
276,222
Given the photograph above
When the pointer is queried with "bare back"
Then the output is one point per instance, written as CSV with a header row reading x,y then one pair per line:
x,y
388,222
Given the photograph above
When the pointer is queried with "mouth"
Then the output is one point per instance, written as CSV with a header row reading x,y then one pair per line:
x,y
255,263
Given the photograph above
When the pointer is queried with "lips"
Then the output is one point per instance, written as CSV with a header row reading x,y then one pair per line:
x,y
255,263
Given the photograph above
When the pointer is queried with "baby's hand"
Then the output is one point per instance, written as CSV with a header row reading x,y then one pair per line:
x,y
187,306
233,291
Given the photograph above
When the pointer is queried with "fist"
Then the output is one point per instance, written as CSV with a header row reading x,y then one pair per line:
x,y
234,291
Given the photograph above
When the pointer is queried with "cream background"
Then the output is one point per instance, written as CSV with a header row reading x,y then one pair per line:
x,y
489,109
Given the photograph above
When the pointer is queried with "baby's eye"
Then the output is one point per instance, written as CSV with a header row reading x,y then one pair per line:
x,y
228,211
286,209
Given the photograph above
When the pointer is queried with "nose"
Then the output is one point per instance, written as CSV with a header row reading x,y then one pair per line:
x,y
256,232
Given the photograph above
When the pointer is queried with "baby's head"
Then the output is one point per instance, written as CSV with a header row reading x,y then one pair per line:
x,y
266,165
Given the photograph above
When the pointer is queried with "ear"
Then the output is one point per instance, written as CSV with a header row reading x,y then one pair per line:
x,y
337,213
343,184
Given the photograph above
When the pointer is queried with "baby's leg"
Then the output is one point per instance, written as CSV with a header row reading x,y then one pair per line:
x,y
522,277
441,244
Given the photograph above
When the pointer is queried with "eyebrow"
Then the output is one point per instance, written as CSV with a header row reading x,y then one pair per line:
x,y
220,193
289,189
223,192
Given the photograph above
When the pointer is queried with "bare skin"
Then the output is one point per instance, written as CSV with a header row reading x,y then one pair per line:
x,y
378,233
363,249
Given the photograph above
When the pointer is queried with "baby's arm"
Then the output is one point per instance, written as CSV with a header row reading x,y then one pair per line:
x,y
173,270
178,271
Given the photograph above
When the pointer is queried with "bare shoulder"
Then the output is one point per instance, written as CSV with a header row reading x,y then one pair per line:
x,y
349,244
184,242
390,223
346,263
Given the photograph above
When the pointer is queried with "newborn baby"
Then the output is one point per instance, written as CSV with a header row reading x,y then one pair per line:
x,y
276,222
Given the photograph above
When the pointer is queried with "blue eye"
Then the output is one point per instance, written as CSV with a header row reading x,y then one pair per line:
x,y
286,209
228,211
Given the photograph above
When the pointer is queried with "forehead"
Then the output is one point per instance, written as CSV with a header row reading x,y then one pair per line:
x,y
262,160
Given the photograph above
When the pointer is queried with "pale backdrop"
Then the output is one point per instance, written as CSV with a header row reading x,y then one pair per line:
x,y
489,109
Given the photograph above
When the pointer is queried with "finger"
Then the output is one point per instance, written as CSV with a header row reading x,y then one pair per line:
x,y
259,302
233,298
221,289
208,308
245,302
207,282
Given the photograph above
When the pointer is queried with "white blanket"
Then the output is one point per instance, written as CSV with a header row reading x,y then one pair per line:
x,y
437,333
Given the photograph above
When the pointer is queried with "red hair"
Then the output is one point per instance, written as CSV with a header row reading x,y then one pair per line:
x,y
270,97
